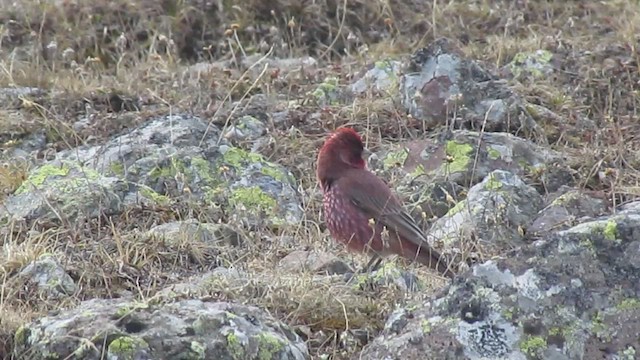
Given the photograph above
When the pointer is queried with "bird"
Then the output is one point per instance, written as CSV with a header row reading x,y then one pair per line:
x,y
362,212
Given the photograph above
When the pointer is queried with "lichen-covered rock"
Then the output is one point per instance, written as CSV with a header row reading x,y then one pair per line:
x,y
433,172
168,158
187,329
245,128
49,277
566,210
571,295
440,81
64,190
382,79
492,217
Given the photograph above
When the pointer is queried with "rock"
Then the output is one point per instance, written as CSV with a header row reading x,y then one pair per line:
x,y
187,329
246,128
191,231
169,158
467,157
49,276
440,81
382,79
572,295
64,190
317,263
13,95
567,210
492,217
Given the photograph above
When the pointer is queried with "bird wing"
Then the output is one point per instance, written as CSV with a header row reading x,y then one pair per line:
x,y
374,198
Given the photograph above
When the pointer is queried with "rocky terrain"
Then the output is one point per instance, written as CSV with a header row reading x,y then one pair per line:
x,y
160,202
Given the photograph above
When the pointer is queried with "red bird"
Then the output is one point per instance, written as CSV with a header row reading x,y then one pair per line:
x,y
357,202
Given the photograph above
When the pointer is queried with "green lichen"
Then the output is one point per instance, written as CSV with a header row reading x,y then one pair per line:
x,y
508,313
589,245
269,346
126,347
599,328
152,195
129,308
629,304
555,331
252,198
40,175
274,172
235,347
326,90
426,327
197,350
565,198
237,157
21,335
610,231
533,345
628,354
395,158
493,154
418,171
459,156
162,172
117,168
492,183
459,206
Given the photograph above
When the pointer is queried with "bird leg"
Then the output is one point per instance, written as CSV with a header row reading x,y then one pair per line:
x,y
373,264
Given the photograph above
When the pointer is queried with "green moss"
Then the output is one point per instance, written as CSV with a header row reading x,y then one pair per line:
x,y
269,346
252,198
533,345
39,176
235,347
610,231
395,158
493,154
459,153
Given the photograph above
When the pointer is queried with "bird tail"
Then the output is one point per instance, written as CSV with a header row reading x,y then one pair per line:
x,y
428,256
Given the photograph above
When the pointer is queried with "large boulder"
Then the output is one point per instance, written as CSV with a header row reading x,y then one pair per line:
x,y
571,295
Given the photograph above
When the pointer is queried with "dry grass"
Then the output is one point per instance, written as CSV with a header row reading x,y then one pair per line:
x,y
105,59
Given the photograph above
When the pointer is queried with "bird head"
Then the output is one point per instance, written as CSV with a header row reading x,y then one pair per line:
x,y
342,150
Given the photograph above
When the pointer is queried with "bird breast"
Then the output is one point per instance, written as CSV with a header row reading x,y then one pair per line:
x,y
347,223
